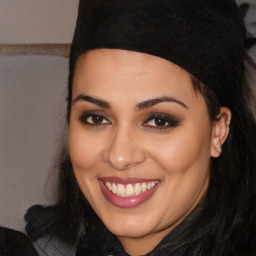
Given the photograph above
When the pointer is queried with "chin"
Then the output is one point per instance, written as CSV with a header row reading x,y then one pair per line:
x,y
132,232
127,226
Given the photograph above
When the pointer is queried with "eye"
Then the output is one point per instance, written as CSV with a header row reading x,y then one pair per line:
x,y
160,121
94,119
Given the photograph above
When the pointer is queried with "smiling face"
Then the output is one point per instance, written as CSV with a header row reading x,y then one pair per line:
x,y
140,143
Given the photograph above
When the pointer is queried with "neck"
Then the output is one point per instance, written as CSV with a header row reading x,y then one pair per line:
x,y
140,246
135,246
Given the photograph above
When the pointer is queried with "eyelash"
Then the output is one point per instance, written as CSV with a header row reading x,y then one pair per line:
x,y
85,116
169,121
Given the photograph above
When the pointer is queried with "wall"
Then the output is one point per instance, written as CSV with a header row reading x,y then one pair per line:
x,y
32,114
37,21
32,103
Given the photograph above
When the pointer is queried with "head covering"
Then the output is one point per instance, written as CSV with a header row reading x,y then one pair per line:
x,y
204,37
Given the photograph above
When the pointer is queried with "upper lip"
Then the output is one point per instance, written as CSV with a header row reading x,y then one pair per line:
x,y
130,180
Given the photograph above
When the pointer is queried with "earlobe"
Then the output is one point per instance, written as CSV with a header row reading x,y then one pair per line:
x,y
220,131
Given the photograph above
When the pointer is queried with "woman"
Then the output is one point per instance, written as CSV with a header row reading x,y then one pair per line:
x,y
161,136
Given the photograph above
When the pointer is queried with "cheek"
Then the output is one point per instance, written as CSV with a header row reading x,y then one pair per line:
x,y
184,150
84,149
84,154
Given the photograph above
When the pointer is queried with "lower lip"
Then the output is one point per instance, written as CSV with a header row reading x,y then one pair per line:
x,y
127,202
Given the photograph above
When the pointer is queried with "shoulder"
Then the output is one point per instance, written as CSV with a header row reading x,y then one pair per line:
x,y
50,234
47,246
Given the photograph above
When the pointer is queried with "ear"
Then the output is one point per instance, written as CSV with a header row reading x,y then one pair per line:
x,y
220,131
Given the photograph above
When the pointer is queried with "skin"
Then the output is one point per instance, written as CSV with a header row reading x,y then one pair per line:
x,y
127,143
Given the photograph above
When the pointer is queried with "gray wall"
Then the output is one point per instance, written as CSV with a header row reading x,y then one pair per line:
x,y
32,97
32,104
37,21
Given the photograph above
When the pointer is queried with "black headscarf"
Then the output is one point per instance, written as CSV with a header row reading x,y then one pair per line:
x,y
204,37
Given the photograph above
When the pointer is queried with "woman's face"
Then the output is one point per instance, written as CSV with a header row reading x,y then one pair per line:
x,y
139,141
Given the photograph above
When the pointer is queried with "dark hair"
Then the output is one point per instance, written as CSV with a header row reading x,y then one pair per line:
x,y
13,242
228,225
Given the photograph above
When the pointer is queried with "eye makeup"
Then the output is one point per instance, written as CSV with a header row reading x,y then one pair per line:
x,y
94,118
155,121
160,121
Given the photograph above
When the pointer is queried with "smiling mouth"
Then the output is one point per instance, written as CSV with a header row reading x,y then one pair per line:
x,y
132,189
128,192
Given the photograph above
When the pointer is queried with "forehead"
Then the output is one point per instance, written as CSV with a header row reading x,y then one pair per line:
x,y
129,62
105,73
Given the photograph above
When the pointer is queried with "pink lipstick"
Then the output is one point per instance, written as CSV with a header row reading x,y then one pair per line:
x,y
129,192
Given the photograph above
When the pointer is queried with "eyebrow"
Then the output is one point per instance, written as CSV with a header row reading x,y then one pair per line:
x,y
150,103
140,106
97,101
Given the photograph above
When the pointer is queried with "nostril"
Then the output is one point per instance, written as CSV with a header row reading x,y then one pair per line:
x,y
123,158
130,165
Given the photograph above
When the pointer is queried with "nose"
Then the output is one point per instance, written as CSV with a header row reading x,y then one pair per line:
x,y
124,150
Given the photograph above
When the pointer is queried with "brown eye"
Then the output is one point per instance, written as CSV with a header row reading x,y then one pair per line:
x,y
94,119
160,122
97,119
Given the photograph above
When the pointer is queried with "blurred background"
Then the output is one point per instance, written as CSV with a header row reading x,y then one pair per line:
x,y
33,81
34,45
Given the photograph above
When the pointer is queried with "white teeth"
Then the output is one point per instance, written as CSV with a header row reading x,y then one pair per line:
x,y
143,187
114,188
137,188
108,185
120,190
130,189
